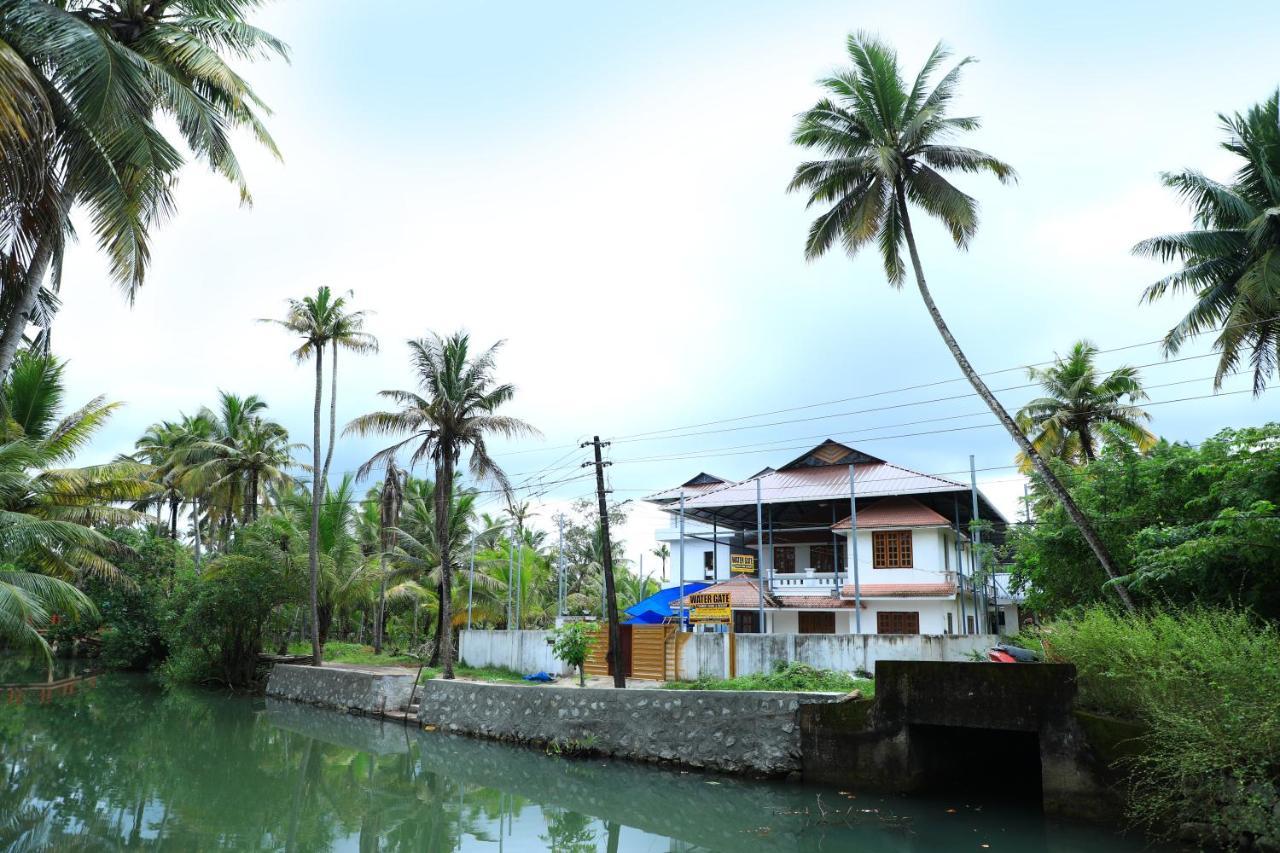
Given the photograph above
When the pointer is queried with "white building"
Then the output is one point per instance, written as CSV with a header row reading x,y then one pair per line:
x,y
793,525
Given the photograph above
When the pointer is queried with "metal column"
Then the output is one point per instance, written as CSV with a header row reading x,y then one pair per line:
x,y
853,549
760,555
682,605
977,540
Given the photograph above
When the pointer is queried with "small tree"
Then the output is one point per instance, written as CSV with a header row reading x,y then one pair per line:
x,y
572,643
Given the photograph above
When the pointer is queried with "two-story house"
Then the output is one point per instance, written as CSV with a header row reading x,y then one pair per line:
x,y
793,528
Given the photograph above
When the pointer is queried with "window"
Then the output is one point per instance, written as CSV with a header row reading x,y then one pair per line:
x,y
951,625
817,622
746,622
784,560
826,558
897,622
969,623
891,549
709,566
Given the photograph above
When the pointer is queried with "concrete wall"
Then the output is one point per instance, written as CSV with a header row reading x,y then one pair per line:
x,y
727,731
523,651
850,652
342,686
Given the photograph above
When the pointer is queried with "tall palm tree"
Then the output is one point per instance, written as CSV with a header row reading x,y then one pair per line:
x,y
390,499
454,411
90,89
321,321
1068,422
28,603
888,146
1231,261
663,553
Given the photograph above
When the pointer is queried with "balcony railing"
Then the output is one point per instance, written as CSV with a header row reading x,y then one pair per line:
x,y
804,583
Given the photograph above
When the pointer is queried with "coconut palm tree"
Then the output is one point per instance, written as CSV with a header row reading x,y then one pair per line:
x,y
390,499
1231,261
91,87
454,411
28,603
322,321
1081,408
887,148
663,553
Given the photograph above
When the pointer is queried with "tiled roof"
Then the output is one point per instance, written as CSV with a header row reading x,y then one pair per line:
x,y
894,512
744,593
900,590
814,602
872,479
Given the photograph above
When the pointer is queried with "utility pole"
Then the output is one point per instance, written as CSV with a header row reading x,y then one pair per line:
x,y
611,598
560,571
977,562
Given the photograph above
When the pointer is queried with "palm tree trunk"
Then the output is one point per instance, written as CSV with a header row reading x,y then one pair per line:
x,y
195,516
1086,442
333,418
15,325
1090,535
444,492
313,536
382,602
174,500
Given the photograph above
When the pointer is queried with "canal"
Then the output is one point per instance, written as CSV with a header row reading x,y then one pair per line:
x,y
120,762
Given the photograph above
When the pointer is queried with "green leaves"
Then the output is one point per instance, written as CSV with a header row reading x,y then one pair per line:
x,y
880,138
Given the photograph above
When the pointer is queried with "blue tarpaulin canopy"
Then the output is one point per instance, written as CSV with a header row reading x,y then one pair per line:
x,y
657,608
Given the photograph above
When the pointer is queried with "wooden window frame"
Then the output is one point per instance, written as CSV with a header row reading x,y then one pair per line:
x,y
905,622
837,560
891,549
787,566
808,618
708,565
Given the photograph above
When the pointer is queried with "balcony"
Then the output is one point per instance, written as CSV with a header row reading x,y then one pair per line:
x,y
804,583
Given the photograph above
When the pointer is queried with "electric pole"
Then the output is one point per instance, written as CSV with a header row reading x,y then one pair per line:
x,y
611,598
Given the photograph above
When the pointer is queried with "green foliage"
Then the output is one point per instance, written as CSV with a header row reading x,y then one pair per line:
x,y
1185,525
1205,684
224,614
785,677
1231,261
572,644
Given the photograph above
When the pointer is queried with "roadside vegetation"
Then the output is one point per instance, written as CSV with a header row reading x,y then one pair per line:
x,y
785,677
1203,683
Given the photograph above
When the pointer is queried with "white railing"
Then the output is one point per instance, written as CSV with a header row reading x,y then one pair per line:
x,y
803,583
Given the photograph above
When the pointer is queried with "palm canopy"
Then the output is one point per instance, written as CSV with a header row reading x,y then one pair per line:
x,y
887,144
455,408
1231,260
1081,408
90,89
322,320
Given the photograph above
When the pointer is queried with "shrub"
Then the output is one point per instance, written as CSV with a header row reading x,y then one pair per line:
x,y
786,677
572,644
1206,684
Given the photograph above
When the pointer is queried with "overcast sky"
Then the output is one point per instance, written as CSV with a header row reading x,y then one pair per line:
x,y
604,188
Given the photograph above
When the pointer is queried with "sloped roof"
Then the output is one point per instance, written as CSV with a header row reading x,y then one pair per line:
x,y
744,594
824,483
830,453
814,602
900,590
894,512
698,485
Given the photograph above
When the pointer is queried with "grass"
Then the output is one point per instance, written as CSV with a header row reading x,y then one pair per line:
x,y
335,652
1205,685
354,653
790,678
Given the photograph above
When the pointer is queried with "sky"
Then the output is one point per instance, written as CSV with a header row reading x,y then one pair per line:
x,y
603,187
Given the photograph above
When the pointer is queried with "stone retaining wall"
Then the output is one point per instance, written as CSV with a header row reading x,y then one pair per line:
x,y
344,687
756,733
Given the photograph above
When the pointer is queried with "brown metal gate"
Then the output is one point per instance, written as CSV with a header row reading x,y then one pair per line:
x,y
649,651
598,658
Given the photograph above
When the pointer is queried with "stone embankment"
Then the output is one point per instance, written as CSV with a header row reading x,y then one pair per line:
x,y
343,687
756,733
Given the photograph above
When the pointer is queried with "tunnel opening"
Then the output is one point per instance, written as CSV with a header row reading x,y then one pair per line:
x,y
952,759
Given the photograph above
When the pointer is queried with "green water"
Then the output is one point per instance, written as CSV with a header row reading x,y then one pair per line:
x,y
126,764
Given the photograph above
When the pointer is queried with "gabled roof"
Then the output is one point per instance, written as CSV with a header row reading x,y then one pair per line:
x,y
831,482
830,453
744,594
700,484
894,512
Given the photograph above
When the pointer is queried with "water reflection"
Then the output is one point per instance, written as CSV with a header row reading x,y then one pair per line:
x,y
129,765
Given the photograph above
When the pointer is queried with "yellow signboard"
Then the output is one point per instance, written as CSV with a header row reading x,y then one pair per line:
x,y
709,599
711,614
742,564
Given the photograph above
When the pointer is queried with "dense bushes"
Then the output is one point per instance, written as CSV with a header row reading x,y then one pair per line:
x,y
785,677
1206,685
1186,525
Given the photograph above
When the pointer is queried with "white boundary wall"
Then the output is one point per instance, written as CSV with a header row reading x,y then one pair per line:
x,y
756,653
706,655
523,651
